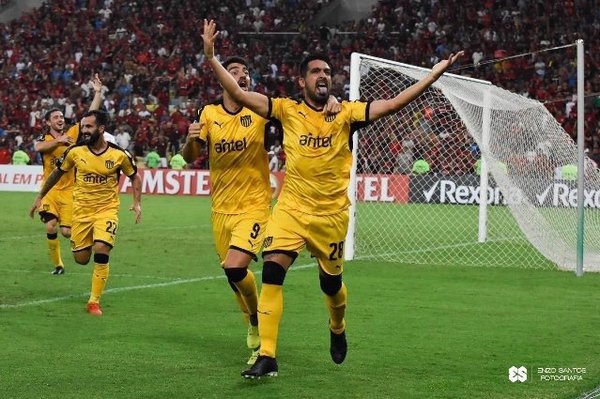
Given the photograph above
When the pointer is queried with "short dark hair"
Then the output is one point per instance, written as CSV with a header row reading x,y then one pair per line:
x,y
49,113
101,116
312,57
235,60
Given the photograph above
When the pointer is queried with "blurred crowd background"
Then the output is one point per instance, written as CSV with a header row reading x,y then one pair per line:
x,y
149,57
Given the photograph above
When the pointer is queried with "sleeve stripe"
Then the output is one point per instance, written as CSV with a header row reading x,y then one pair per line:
x,y
270,108
367,111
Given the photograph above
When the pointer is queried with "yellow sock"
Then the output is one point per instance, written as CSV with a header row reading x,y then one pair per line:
x,y
240,300
336,305
270,309
99,277
247,288
54,251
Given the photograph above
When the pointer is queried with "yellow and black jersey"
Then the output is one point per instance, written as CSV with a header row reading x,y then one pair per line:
x,y
239,166
49,159
96,186
318,154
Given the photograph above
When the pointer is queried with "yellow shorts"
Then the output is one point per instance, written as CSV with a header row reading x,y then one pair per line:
x,y
289,231
58,203
101,227
244,232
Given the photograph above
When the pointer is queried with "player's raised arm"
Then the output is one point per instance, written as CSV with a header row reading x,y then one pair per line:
x,y
380,108
257,102
97,101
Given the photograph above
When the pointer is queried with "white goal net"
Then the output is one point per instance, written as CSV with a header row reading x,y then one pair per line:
x,y
417,182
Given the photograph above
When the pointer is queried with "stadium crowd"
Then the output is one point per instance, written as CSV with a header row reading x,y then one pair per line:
x,y
149,56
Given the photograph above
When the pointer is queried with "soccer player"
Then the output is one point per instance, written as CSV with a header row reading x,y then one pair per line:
x,y
56,209
312,210
240,191
95,197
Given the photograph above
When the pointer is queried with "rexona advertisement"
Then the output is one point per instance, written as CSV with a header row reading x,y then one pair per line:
x,y
465,190
431,189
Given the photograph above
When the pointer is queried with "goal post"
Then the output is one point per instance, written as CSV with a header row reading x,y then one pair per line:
x,y
524,215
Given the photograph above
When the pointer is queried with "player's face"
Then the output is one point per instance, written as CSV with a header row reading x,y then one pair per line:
x,y
317,82
89,130
56,121
240,74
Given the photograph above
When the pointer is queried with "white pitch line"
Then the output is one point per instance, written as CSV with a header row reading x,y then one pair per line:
x,y
136,287
13,238
87,273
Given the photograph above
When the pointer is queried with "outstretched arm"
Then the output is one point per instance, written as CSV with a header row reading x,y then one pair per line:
x,y
52,179
381,108
257,102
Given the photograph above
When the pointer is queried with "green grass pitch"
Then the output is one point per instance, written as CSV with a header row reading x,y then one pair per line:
x,y
171,328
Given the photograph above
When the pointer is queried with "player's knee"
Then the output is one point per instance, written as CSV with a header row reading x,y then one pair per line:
x,y
101,259
52,236
82,258
66,232
273,273
235,274
330,285
51,224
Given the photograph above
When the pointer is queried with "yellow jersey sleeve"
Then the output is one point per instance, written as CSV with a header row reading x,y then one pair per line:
x,y
203,119
67,161
73,132
127,164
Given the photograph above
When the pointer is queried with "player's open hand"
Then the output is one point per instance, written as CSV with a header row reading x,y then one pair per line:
x,y
137,208
441,67
35,206
194,130
333,106
97,84
209,37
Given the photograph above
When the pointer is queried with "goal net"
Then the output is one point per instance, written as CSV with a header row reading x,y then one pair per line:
x,y
418,178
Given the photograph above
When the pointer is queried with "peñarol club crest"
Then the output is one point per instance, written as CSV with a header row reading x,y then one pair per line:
x,y
109,164
330,118
246,120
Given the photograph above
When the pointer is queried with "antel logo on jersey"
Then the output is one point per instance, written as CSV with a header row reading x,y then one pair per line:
x,y
94,178
308,140
229,146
